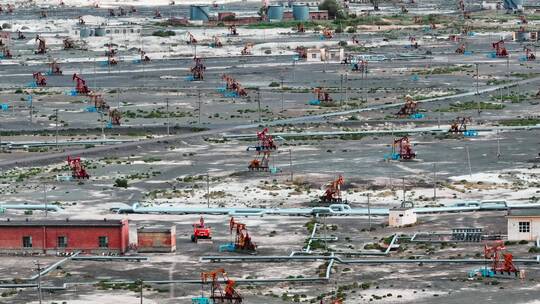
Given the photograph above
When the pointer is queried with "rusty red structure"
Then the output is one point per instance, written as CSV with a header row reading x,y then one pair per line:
x,y
409,108
77,168
322,95
42,46
55,68
529,55
219,294
333,191
115,115
41,81
264,149
459,125
53,236
242,239
500,49
402,149
81,87
198,69
68,43
191,39
99,102
494,252
232,85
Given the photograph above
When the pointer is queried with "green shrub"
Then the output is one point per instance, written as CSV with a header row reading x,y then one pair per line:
x,y
121,183
162,33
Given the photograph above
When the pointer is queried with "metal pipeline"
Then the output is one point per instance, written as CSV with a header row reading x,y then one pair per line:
x,y
332,210
231,259
52,267
43,207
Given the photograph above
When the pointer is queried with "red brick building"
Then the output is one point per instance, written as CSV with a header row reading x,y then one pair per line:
x,y
151,239
51,236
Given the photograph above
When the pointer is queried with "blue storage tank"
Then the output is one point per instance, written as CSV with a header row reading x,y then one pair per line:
x,y
513,4
85,32
275,12
199,12
300,12
99,32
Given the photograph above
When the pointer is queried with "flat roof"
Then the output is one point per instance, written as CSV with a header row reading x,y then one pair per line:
x,y
66,222
524,212
155,229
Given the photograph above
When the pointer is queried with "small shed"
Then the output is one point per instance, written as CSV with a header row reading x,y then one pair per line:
x,y
156,239
402,216
523,224
314,54
334,55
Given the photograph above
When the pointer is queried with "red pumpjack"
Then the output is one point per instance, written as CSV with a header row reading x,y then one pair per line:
x,y
115,116
506,266
77,168
264,150
459,125
404,146
201,231
81,87
55,68
42,47
333,191
529,55
242,240
41,81
409,108
218,294
500,50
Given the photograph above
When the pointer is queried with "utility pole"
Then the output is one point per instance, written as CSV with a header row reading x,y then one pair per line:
x,y
477,76
102,124
346,86
39,281
369,211
282,97
498,145
290,164
507,74
469,160
403,184
199,102
31,107
341,91
434,181
259,104
141,291
45,198
168,117
56,123
208,189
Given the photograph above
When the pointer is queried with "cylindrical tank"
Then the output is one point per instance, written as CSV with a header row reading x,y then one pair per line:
x,y
300,12
99,32
199,12
84,32
521,36
275,12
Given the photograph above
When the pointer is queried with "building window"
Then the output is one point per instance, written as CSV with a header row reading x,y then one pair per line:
x,y
62,242
27,241
524,226
314,56
103,242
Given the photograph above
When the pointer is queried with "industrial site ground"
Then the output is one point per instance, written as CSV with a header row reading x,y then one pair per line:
x,y
181,143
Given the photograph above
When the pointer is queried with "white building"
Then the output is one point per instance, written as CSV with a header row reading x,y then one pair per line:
x,y
523,224
331,55
399,217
